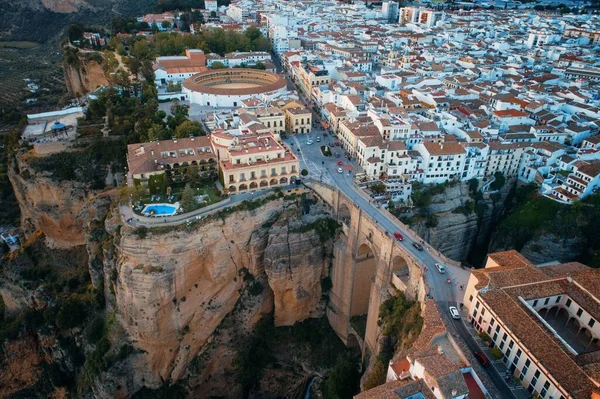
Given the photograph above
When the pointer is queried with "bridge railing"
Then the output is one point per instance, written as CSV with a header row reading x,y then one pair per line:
x,y
414,236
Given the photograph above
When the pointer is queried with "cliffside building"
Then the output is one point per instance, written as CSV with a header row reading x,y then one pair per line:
x,y
254,161
172,157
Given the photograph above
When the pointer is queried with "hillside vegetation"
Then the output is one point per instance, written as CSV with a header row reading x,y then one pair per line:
x,y
531,216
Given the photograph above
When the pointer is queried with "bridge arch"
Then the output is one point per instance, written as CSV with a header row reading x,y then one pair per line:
x,y
365,268
344,215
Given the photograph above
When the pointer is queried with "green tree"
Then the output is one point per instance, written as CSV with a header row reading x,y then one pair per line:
x,y
304,172
157,132
192,174
499,181
188,199
343,381
172,87
378,188
189,128
75,31
217,65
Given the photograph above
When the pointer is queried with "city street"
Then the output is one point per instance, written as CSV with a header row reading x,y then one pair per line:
x,y
325,169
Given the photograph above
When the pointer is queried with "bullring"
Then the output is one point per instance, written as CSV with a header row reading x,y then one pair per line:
x,y
228,87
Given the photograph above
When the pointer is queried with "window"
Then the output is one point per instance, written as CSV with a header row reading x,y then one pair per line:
x,y
497,328
545,389
534,380
477,305
591,322
483,312
579,312
471,298
568,303
546,301
492,322
510,343
504,337
558,298
535,303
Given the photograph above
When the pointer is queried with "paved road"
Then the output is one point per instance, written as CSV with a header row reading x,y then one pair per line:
x,y
326,169
127,213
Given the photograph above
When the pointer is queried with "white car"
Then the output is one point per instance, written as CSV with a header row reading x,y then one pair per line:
x,y
440,268
309,142
454,312
340,170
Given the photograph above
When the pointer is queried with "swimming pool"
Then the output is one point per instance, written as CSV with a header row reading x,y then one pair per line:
x,y
160,209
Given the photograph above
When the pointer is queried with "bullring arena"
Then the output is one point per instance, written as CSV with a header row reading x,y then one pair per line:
x,y
228,87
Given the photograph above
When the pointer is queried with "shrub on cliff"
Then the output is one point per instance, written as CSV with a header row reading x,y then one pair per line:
x,y
343,381
71,314
376,376
401,319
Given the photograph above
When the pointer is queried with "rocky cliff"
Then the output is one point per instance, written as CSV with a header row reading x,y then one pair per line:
x,y
50,206
457,228
174,287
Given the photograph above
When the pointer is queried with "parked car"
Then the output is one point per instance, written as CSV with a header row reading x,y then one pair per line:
x,y
418,246
340,170
318,139
337,154
340,163
481,358
309,142
398,236
454,312
440,268
337,143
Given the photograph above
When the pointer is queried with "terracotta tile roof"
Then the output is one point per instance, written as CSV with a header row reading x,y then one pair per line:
x,y
446,148
147,157
516,279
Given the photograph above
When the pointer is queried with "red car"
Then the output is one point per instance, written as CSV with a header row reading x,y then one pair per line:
x,y
340,163
337,143
398,236
481,358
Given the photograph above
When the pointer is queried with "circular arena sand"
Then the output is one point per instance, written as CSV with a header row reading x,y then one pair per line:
x,y
236,85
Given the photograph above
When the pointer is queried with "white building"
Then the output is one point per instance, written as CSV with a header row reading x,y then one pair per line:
x,y
442,161
540,318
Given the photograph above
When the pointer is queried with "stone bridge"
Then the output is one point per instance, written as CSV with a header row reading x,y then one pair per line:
x,y
366,265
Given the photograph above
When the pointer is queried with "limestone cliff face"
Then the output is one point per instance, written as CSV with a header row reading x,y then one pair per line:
x,y
456,233
173,289
49,206
295,263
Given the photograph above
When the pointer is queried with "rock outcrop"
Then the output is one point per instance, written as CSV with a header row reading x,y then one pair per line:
x,y
457,231
50,206
295,263
174,288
